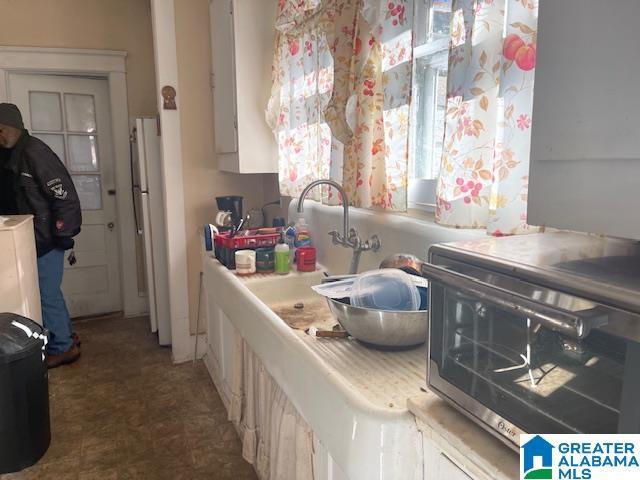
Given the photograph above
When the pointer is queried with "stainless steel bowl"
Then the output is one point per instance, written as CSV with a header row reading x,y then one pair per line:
x,y
382,327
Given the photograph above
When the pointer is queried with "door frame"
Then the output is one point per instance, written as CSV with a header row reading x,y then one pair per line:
x,y
109,65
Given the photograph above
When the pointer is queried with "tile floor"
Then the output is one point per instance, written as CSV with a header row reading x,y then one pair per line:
x,y
125,412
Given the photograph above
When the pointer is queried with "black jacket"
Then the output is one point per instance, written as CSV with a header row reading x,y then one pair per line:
x,y
42,187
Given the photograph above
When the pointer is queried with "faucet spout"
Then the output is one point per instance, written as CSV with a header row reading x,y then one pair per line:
x,y
349,237
345,202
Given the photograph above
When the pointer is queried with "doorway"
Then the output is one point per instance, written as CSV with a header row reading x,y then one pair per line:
x,y
72,115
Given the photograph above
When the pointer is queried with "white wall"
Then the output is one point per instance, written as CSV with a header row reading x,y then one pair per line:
x,y
398,234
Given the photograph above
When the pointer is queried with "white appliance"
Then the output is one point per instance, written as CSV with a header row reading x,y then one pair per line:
x,y
18,268
148,198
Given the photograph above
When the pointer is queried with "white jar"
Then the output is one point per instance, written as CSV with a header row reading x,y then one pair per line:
x,y
245,262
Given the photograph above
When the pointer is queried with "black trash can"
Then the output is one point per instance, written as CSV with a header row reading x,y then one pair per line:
x,y
24,393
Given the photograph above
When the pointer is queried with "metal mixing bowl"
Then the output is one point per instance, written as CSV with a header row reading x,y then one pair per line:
x,y
381,327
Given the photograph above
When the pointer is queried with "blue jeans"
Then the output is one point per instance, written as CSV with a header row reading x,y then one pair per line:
x,y
55,315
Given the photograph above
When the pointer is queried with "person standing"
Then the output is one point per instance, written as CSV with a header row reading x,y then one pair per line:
x,y
33,181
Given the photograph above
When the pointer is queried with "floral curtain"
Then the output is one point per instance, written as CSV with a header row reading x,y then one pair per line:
x,y
378,75
302,87
340,105
485,165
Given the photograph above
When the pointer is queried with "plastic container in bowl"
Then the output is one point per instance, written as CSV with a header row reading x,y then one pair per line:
x,y
386,289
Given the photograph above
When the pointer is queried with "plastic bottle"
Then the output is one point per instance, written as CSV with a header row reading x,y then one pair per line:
x,y
303,236
290,239
282,256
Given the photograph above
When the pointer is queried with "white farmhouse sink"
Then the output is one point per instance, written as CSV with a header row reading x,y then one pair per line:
x,y
353,397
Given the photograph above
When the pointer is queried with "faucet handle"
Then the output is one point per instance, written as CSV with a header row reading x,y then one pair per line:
x,y
336,237
374,243
353,238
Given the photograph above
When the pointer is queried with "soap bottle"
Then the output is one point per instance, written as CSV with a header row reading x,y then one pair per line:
x,y
290,239
282,256
303,236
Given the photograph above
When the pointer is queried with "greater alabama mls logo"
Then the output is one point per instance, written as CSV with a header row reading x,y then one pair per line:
x,y
537,459
580,457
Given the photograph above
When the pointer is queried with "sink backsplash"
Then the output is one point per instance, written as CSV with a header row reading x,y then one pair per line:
x,y
398,234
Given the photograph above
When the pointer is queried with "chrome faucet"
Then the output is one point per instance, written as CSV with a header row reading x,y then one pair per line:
x,y
349,237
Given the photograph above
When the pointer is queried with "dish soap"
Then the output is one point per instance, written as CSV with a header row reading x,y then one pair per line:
x,y
303,236
282,256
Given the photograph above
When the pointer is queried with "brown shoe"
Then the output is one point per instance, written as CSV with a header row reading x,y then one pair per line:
x,y
65,358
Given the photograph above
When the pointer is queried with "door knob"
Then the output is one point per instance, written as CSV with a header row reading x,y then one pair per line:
x,y
110,225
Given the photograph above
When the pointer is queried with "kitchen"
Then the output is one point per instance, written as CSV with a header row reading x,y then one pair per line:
x,y
425,118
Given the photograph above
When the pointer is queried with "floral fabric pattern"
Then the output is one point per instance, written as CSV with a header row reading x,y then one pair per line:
x,y
485,164
377,156
302,86
340,99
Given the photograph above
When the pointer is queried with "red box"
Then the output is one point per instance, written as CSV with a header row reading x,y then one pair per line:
x,y
226,245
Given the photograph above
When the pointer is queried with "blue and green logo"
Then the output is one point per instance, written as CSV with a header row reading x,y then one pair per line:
x,y
537,459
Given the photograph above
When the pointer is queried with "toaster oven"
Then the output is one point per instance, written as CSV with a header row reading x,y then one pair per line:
x,y
538,333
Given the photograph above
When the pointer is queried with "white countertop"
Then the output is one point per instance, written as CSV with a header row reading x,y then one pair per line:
x,y
11,222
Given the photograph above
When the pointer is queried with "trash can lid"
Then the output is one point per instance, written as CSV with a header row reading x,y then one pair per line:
x,y
19,337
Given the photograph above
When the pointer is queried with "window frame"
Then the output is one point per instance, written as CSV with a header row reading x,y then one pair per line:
x,y
435,48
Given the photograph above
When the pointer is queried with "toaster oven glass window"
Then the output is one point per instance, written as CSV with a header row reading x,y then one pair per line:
x,y
539,379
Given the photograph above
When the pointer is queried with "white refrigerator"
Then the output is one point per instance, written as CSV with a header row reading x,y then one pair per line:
x,y
148,198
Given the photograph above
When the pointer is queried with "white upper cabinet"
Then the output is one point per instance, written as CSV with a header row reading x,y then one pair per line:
x,y
242,37
585,147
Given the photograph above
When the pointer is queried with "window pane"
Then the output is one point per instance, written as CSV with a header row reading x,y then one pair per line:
x,y
81,113
83,153
440,18
430,96
55,142
432,19
89,190
46,113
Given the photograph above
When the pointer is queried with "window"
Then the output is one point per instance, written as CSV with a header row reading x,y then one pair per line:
x,y
432,20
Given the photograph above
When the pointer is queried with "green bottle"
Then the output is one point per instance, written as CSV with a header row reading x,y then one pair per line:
x,y
282,256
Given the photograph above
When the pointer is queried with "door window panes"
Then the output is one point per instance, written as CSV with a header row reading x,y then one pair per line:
x,y
89,191
81,113
46,112
55,142
83,153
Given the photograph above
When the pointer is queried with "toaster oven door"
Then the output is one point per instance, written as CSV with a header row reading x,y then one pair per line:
x,y
518,358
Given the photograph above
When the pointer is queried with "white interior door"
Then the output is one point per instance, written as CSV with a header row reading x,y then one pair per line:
x,y
72,116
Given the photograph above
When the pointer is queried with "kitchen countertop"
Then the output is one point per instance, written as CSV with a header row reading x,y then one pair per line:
x,y
465,442
350,394
352,397
384,377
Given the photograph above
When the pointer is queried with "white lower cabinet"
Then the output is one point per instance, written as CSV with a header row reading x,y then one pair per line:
x,y
20,293
219,359
438,465
228,338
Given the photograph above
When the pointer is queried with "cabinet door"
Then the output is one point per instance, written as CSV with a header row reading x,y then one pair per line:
x,y
585,147
438,466
227,358
223,77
